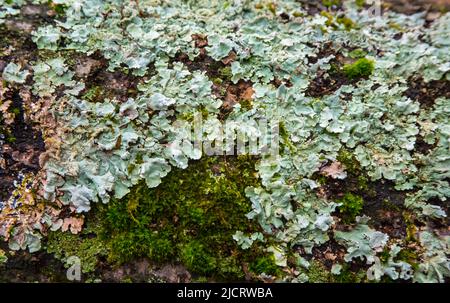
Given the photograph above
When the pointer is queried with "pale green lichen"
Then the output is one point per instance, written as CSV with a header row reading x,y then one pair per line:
x,y
111,145
13,74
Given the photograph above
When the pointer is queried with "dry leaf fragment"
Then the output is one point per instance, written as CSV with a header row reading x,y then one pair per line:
x,y
335,170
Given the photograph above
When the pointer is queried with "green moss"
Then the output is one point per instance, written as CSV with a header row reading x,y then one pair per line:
x,y
351,207
329,16
272,7
346,22
410,256
226,73
246,104
357,53
127,280
11,139
3,257
200,279
411,228
259,6
204,112
360,3
334,22
265,264
396,26
318,273
334,68
384,255
298,14
191,217
361,68
330,3
217,81
94,94
197,258
348,276
321,179
60,9
363,184
15,110
353,168
349,160
86,246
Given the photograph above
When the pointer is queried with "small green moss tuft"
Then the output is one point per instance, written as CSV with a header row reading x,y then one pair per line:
x,y
196,258
15,110
410,256
217,81
348,276
360,3
330,3
298,14
361,68
357,53
318,273
411,228
11,139
94,94
3,257
272,7
329,16
226,73
59,8
321,179
346,22
246,104
349,160
396,26
351,207
384,255
265,264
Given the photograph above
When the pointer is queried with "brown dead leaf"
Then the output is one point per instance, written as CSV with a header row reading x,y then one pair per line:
x,y
248,93
74,224
86,66
330,256
200,40
230,100
335,170
230,58
4,106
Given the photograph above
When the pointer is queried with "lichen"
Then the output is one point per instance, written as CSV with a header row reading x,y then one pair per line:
x,y
168,201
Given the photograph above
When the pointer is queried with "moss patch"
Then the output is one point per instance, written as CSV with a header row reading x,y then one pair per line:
x,y
361,68
351,207
348,276
318,273
265,264
190,217
86,246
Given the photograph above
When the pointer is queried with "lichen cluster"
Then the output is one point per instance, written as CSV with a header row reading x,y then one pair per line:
x,y
162,200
